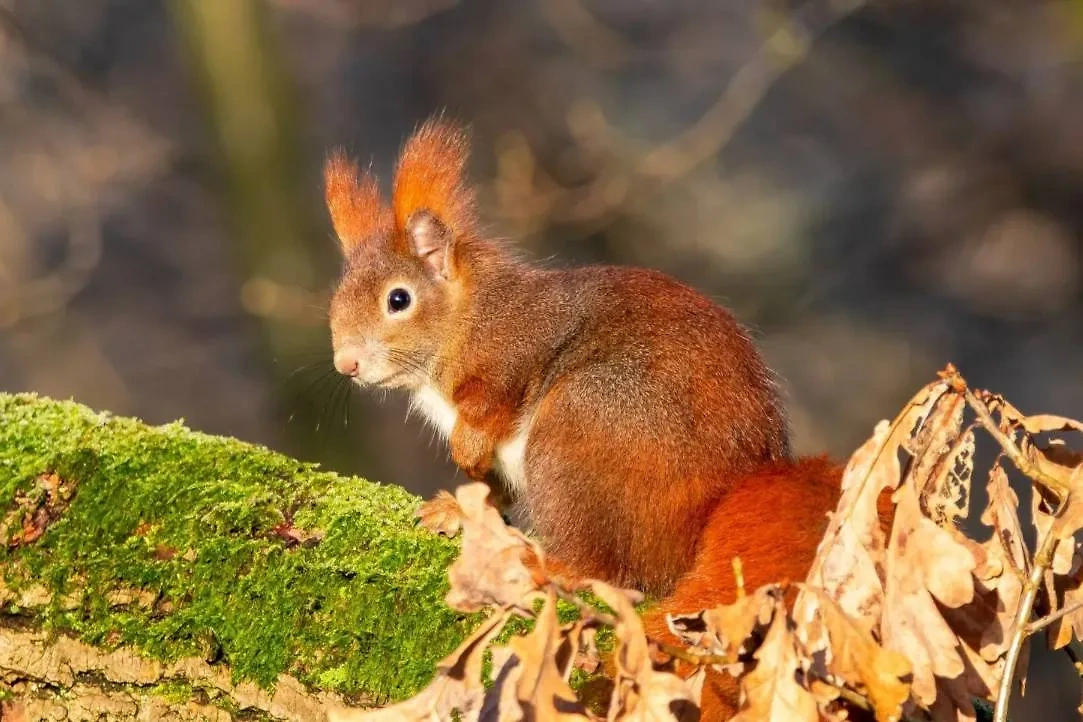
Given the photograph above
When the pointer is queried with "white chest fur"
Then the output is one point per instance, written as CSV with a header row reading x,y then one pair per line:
x,y
510,453
437,410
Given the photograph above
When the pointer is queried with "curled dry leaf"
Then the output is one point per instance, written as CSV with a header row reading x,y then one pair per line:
x,y
441,514
586,656
850,558
946,493
943,460
839,651
1053,461
1069,590
641,693
1065,465
926,564
730,630
1045,423
456,689
984,626
530,681
491,569
770,692
1009,565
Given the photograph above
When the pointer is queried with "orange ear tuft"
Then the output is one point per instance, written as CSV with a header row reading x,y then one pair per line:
x,y
431,176
353,200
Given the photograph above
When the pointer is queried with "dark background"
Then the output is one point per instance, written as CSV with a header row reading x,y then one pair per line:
x,y
877,188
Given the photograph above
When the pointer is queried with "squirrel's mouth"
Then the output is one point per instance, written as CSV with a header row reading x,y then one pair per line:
x,y
393,380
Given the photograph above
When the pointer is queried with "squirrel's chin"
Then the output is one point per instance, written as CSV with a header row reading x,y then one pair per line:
x,y
397,380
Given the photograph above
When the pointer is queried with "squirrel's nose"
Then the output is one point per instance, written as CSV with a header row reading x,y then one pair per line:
x,y
348,361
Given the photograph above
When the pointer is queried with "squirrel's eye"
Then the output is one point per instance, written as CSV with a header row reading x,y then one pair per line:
x,y
398,300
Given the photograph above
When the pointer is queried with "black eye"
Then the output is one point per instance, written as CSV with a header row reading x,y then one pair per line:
x,y
398,300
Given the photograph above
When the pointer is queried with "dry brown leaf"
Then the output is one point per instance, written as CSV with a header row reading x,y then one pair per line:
x,y
441,514
926,564
1070,593
942,460
294,536
730,630
500,702
38,509
586,656
842,652
1065,465
984,625
1055,460
534,671
1012,564
770,692
456,688
850,559
641,693
946,493
1043,423
491,568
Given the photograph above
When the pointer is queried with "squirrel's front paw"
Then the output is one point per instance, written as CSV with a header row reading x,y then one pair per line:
x,y
441,514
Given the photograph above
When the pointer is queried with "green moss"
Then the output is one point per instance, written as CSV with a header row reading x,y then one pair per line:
x,y
190,518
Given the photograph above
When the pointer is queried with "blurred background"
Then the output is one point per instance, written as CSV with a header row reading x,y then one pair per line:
x,y
876,187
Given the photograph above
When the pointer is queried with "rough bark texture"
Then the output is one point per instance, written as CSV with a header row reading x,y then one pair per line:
x,y
159,573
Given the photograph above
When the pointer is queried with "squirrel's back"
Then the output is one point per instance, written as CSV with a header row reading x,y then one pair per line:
x,y
650,399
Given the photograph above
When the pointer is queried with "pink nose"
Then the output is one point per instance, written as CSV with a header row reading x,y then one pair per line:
x,y
348,361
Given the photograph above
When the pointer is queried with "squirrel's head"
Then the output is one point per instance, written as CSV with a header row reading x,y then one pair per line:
x,y
404,268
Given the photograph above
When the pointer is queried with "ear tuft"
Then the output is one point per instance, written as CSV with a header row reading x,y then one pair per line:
x,y
431,177
353,200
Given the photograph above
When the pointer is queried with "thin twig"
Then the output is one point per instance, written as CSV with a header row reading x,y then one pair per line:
x,y
788,45
1040,624
1018,458
1042,560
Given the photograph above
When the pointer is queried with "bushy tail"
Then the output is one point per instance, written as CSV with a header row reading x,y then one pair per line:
x,y
773,520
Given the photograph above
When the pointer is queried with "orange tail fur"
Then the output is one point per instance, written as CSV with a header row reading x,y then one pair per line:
x,y
773,520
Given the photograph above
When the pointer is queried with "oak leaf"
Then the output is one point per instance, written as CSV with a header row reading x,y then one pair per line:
x,y
850,559
531,682
730,630
491,569
926,565
838,650
640,692
771,692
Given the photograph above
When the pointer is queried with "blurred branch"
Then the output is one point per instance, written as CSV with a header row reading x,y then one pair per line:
x,y
73,181
599,44
381,13
22,300
526,189
251,112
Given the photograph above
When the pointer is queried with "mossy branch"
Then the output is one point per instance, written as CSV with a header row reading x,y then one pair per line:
x,y
179,546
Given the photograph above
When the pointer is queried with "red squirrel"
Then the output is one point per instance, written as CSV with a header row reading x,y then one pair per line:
x,y
632,417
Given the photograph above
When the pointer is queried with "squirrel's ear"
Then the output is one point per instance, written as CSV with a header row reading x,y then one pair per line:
x,y
353,200
434,205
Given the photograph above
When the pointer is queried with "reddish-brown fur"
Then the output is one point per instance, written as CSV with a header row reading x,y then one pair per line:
x,y
657,447
772,520
353,200
432,175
